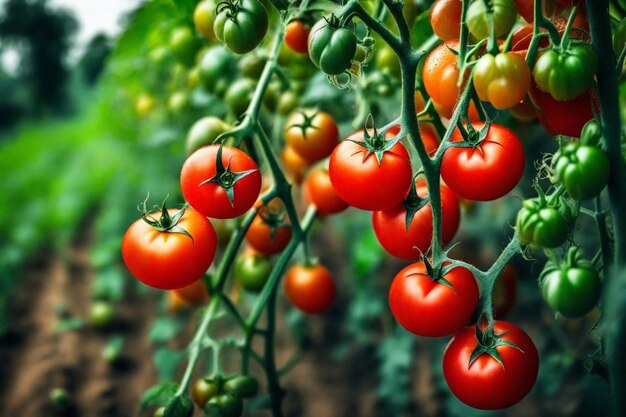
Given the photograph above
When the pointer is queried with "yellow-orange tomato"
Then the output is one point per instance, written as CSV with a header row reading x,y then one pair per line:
x,y
203,18
312,134
295,165
320,192
503,80
194,293
310,288
440,76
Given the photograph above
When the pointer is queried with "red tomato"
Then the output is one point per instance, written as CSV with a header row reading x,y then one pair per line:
x,y
445,18
319,190
429,138
167,259
310,288
268,235
211,198
361,181
297,36
563,117
505,292
440,76
487,384
432,308
194,293
391,231
488,171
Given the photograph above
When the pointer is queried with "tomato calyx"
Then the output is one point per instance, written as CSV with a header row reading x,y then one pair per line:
x,y
488,341
472,138
274,219
413,203
226,178
375,144
231,8
165,223
435,273
573,259
307,122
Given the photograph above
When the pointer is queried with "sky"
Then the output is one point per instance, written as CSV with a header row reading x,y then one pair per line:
x,y
94,16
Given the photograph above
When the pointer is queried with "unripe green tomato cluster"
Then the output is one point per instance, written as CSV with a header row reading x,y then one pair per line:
x,y
223,397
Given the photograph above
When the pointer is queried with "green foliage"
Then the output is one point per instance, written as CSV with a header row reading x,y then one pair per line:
x,y
157,395
396,354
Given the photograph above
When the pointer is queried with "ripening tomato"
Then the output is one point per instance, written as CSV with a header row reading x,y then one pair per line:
x,y
440,77
488,383
224,187
370,174
503,80
433,307
311,134
487,171
445,18
203,18
269,232
295,165
410,243
297,36
320,192
170,252
310,288
194,293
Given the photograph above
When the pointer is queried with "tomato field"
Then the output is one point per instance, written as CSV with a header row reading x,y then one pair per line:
x,y
314,208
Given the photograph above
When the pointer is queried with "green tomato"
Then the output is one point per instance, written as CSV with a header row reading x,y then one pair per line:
x,y
298,66
252,65
566,73
239,95
540,225
227,405
504,16
592,133
184,45
217,68
287,102
332,47
178,102
101,314
242,386
203,390
583,170
571,289
252,271
387,60
241,24
203,132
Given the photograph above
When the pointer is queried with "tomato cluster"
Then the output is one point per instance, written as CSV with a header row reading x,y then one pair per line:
x,y
223,396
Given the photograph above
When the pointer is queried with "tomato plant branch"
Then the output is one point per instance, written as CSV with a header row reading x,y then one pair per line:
x,y
273,385
464,34
395,7
352,7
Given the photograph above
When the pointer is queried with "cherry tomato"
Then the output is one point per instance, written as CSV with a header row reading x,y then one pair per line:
x,y
485,172
164,257
311,134
310,288
203,390
252,271
486,383
503,80
319,190
297,36
223,188
194,293
433,308
364,182
410,243
504,16
203,18
269,233
295,165
445,18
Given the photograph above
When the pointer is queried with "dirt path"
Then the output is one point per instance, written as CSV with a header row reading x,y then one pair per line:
x,y
37,359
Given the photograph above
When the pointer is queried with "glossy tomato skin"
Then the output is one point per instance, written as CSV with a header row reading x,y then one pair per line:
x,y
241,29
310,288
445,18
440,76
320,192
260,237
488,171
211,199
429,308
297,36
317,140
427,132
392,234
486,384
167,260
361,182
503,79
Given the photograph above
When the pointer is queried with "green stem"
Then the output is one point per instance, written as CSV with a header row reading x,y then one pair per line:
x,y
464,35
273,384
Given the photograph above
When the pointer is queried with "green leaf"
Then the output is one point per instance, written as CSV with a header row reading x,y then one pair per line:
x,y
109,284
166,361
367,253
157,395
179,406
70,323
164,329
